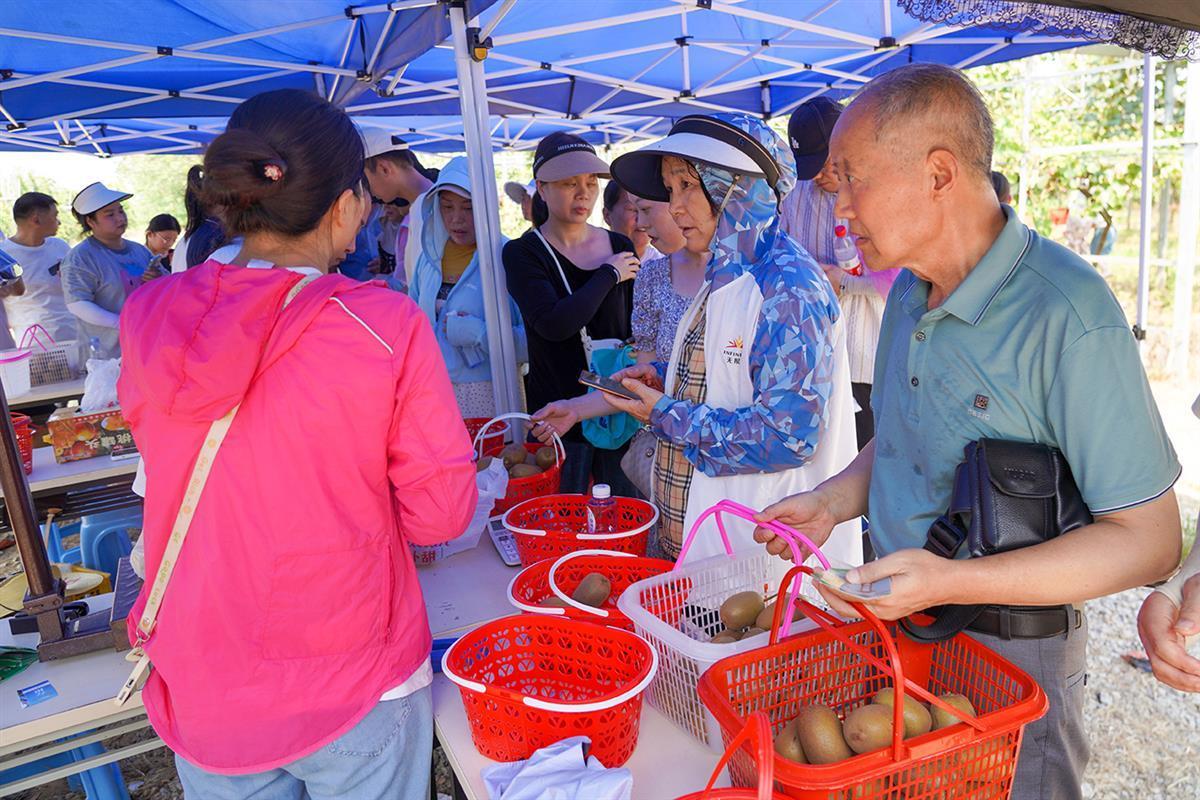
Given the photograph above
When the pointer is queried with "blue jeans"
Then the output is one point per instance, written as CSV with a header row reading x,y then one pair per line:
x,y
386,755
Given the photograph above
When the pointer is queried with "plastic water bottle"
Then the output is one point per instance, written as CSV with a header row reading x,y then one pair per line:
x,y
845,252
601,508
94,347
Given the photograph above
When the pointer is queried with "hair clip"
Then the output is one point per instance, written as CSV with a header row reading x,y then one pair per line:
x,y
272,172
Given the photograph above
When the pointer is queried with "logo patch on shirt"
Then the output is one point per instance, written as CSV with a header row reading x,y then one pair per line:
x,y
732,351
980,407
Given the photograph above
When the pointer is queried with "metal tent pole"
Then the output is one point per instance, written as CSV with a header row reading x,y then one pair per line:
x,y
1189,228
1143,300
473,100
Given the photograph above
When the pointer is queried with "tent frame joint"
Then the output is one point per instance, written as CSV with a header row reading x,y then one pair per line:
x,y
886,43
479,48
683,41
1139,333
163,50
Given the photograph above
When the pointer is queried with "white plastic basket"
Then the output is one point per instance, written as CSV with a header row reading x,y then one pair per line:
x,y
51,362
14,371
677,613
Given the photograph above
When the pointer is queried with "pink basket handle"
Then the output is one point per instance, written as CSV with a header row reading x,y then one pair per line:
x,y
892,666
790,535
560,452
31,337
757,732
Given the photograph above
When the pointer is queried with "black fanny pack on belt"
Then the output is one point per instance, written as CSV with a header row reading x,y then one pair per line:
x,y
1007,495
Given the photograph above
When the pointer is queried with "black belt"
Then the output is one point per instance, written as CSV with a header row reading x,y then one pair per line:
x,y
1027,622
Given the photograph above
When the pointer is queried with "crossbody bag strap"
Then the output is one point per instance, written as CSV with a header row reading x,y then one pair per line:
x,y
179,531
584,336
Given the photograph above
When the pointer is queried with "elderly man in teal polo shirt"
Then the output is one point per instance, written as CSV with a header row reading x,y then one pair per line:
x,y
992,331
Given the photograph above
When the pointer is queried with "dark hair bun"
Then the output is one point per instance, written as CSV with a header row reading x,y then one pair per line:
x,y
283,160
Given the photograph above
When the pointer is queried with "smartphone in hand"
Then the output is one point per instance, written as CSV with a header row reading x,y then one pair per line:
x,y
606,385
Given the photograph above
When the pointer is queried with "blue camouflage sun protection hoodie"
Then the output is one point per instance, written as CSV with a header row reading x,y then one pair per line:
x,y
791,352
460,326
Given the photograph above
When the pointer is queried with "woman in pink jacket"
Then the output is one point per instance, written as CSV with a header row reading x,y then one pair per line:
x,y
291,651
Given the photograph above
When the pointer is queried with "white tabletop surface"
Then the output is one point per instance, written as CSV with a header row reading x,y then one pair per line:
x,y
86,687
49,393
470,588
49,474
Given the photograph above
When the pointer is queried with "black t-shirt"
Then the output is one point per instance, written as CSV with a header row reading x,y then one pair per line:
x,y
553,318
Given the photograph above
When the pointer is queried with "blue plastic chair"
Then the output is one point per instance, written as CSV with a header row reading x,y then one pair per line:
x,y
102,550
99,783
103,539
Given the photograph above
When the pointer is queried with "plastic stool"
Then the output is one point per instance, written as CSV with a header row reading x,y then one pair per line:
x,y
127,517
99,783
102,550
54,548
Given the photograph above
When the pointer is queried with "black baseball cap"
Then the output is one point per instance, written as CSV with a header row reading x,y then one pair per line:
x,y
809,130
562,155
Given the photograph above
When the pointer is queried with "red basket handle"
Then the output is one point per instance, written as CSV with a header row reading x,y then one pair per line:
x,y
599,612
901,684
560,452
758,730
790,535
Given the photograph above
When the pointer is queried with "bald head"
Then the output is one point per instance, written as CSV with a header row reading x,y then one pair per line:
x,y
923,107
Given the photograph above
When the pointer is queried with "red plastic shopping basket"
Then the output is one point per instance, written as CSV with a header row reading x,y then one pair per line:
x,y
491,441
842,665
520,489
549,527
23,428
756,734
528,681
560,578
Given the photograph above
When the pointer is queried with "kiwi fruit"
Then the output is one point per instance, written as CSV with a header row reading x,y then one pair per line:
x,y
593,590
767,616
741,610
752,632
523,471
483,463
820,734
530,458
513,454
553,601
787,744
726,637
916,717
944,719
545,457
868,728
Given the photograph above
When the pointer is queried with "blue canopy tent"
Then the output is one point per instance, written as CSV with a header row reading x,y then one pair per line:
x,y
161,75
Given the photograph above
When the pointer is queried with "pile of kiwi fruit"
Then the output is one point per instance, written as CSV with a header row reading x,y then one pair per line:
x,y
745,614
817,736
520,462
592,591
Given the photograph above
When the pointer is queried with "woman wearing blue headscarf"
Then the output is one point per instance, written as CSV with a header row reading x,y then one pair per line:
x,y
447,286
755,400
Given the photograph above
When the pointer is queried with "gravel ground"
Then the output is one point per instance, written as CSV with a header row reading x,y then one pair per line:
x,y
1145,737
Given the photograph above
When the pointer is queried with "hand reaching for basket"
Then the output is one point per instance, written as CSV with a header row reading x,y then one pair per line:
x,y
809,512
557,417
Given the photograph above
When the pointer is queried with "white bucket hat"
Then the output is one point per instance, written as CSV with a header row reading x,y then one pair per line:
x,y
96,196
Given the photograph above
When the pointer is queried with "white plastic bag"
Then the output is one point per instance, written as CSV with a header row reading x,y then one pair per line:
x,y
491,484
100,385
558,772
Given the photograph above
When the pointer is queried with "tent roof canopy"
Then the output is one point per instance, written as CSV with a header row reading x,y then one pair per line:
x,y
612,70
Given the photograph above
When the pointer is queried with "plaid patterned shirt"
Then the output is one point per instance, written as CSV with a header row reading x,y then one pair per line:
x,y
672,470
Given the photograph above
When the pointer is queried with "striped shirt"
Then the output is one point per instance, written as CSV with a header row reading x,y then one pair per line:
x,y
807,216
